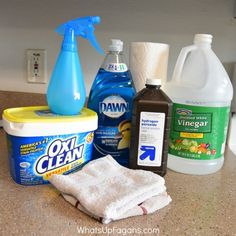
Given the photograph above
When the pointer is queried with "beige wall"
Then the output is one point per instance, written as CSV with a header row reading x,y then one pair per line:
x,y
30,24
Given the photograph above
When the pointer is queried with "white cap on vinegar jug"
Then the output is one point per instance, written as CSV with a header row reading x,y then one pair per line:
x,y
203,38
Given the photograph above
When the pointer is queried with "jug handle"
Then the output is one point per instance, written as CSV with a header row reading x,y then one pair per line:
x,y
181,60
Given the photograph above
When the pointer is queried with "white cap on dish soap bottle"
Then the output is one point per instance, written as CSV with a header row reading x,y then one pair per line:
x,y
203,38
116,45
153,81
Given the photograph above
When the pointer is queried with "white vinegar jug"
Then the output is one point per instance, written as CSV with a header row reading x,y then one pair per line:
x,y
202,92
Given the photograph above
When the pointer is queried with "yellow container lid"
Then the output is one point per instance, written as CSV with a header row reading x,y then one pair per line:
x,y
40,121
36,114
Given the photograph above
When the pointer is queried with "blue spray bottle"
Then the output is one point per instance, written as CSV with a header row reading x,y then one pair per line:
x,y
66,92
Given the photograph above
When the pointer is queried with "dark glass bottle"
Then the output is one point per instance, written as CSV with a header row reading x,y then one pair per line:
x,y
151,117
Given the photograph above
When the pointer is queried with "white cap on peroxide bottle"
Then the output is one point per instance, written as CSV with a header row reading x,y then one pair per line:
x,y
153,81
116,45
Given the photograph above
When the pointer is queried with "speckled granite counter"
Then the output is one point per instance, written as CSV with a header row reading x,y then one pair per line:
x,y
18,99
202,205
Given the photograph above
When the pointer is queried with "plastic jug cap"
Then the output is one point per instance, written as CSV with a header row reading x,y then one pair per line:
x,y
116,45
203,38
153,81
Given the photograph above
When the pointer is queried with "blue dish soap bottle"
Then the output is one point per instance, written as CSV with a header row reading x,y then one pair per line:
x,y
111,97
66,92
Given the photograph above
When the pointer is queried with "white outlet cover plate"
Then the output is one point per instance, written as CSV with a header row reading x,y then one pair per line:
x,y
36,66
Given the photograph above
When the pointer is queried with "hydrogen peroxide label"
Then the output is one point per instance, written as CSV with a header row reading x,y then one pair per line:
x,y
113,106
116,67
151,134
198,132
34,159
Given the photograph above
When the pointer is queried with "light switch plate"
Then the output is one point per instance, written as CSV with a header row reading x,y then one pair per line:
x,y
37,66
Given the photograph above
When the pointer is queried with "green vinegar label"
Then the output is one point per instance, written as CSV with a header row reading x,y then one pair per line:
x,y
198,132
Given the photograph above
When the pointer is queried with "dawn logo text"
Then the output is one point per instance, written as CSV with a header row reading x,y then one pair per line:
x,y
113,106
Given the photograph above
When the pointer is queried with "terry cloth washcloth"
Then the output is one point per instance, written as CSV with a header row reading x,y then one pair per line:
x,y
108,191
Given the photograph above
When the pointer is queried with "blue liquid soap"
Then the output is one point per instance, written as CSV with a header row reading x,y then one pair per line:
x,y
111,97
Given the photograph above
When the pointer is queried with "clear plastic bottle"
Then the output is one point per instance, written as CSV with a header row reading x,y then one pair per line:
x,y
111,97
202,92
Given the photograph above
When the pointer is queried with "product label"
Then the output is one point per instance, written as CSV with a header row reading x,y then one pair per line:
x,y
46,113
113,133
116,67
113,140
34,159
59,153
151,134
113,106
198,132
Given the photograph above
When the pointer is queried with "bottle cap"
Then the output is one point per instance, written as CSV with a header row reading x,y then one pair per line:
x,y
116,45
153,81
203,38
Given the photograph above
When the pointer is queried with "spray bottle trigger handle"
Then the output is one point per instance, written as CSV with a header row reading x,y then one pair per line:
x,y
181,60
92,39
96,19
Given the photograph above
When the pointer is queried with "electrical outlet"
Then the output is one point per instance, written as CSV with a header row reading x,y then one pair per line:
x,y
37,66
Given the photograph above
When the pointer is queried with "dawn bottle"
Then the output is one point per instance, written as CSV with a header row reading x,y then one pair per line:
x,y
111,97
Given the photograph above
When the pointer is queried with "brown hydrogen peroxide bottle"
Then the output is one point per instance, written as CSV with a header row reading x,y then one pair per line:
x,y
151,117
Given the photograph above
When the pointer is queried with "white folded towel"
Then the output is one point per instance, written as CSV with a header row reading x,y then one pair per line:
x,y
108,191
